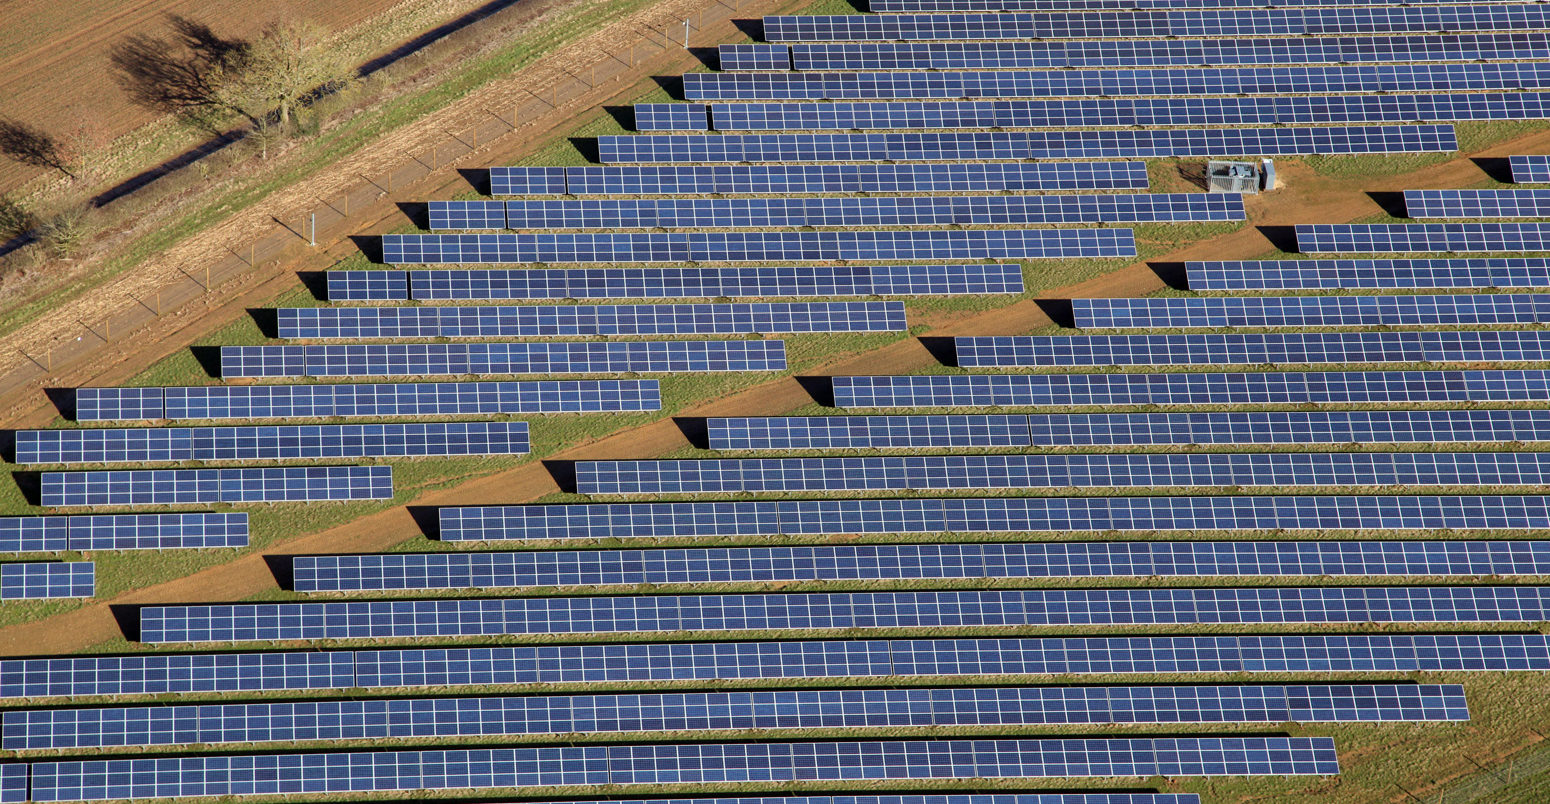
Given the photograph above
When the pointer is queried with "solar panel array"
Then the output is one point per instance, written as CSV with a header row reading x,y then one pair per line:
x,y
566,357
916,6
790,179
28,534
673,283
1477,203
389,399
991,515
47,580
505,570
1422,237
275,442
205,486
1311,311
1529,168
1344,274
1251,348
1129,429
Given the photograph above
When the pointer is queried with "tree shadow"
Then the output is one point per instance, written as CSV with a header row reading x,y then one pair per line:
x,y
945,350
1059,311
564,474
63,400
1282,238
1391,202
1498,168
695,429
821,389
1172,274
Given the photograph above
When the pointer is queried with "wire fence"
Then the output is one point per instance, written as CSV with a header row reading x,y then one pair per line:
x,y
1528,762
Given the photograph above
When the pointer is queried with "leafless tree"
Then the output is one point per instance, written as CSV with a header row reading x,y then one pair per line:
x,y
288,63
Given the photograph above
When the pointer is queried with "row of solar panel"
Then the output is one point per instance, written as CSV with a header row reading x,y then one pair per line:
x,y
403,718
1352,274
1529,169
509,570
917,6
1312,311
673,283
1098,112
1220,22
557,616
277,442
746,213
1477,203
1254,80
568,357
1311,348
1109,471
658,764
1135,52
47,580
1422,237
204,486
557,321
992,515
1128,429
785,179
979,146
14,778
1245,388
382,399
28,534
616,662
943,244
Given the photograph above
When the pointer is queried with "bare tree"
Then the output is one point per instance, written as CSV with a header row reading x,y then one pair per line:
x,y
287,64
33,146
182,74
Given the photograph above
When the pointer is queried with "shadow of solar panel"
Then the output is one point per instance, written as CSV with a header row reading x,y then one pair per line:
x,y
1251,348
411,399
1423,237
1529,169
1466,272
992,515
1477,203
683,283
47,580
1311,311
275,442
203,486
580,357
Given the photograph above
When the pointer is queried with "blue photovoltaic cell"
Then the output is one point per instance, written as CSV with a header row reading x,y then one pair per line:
x,y
972,210
1164,52
1422,237
991,515
853,178
917,6
466,284
744,318
967,472
670,117
1464,272
1477,203
977,146
477,214
14,776
201,486
411,399
1529,169
569,357
34,534
45,580
1311,311
947,244
1287,388
445,617
868,432
153,674
118,404
158,531
275,442
527,180
493,570
1220,22
1279,80
367,286
1252,348
1098,112
753,56
692,763
138,726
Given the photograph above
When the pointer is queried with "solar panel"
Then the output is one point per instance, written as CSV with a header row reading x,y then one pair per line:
x,y
148,445
949,244
753,56
968,210
1312,311
29,534
855,178
1477,203
691,763
1218,22
1422,237
680,283
1128,112
118,404
957,84
407,399
367,286
203,486
1464,272
990,515
963,146
47,580
157,674
1164,52
1130,429
526,180
1252,348
569,357
916,6
516,570
1255,388
670,117
556,321
477,214
124,727
1529,169
444,617
966,472
34,534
